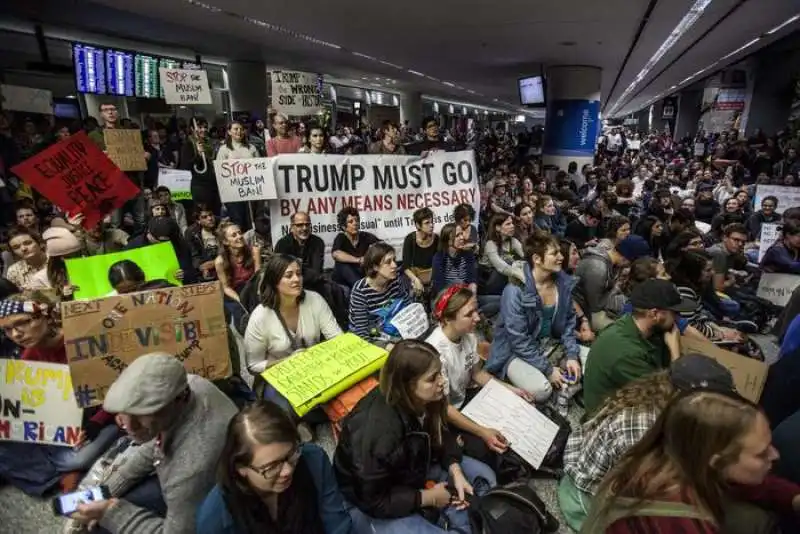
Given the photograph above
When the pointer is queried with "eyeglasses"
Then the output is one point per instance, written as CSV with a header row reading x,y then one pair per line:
x,y
271,470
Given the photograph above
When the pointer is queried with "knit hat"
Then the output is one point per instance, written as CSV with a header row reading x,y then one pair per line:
x,y
694,371
163,227
60,242
633,247
147,385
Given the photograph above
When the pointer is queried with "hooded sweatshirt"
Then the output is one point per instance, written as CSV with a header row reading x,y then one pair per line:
x,y
595,274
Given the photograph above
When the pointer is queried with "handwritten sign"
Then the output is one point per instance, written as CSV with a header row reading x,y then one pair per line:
x,y
769,234
76,176
528,430
38,405
125,149
777,287
321,372
104,336
27,99
185,86
749,375
241,180
635,144
296,93
179,182
411,321
788,197
699,149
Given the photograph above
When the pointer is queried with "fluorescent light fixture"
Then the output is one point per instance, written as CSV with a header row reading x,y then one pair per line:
x,y
388,64
783,25
746,45
683,26
449,84
365,56
416,73
470,91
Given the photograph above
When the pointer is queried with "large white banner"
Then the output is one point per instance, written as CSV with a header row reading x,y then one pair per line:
x,y
296,93
386,190
788,197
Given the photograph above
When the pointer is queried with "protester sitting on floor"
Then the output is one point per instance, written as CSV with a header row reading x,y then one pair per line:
x,y
60,244
717,481
766,214
202,239
236,261
27,247
164,196
267,481
102,238
784,255
381,290
584,230
456,310
615,230
548,217
637,344
349,247
454,262
596,446
496,265
688,240
464,217
179,420
725,254
31,320
597,274
301,243
419,248
162,230
396,440
534,338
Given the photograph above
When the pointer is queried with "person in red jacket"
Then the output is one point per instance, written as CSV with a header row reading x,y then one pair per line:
x,y
31,321
703,468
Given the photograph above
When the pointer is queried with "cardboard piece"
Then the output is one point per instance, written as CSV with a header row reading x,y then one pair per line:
x,y
749,375
125,149
242,180
777,287
104,336
296,93
185,86
76,176
316,375
27,99
38,403
90,274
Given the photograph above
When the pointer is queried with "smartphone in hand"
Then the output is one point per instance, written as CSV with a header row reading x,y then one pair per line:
x,y
67,504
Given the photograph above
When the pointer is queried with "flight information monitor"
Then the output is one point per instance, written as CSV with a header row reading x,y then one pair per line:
x,y
147,82
90,69
120,73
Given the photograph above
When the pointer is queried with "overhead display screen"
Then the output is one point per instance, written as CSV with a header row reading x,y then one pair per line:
x,y
90,69
147,82
531,91
120,73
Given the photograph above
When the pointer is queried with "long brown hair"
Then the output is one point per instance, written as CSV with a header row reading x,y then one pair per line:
x,y
225,253
664,458
408,361
648,393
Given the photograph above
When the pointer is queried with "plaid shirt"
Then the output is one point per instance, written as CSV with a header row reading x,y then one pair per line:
x,y
592,450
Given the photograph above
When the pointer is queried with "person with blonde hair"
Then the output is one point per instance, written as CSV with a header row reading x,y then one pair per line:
x,y
699,470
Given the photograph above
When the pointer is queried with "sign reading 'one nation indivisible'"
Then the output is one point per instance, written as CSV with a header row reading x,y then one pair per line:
x,y
385,189
296,93
242,180
185,86
104,336
76,176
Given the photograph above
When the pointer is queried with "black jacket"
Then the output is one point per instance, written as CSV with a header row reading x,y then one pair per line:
x,y
383,458
312,255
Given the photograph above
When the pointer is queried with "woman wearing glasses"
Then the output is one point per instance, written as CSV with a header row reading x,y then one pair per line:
x,y
268,482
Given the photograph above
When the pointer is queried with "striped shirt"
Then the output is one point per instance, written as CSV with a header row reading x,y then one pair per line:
x,y
365,302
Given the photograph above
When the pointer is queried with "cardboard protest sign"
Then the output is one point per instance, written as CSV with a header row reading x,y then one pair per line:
x,y
242,180
385,189
179,182
788,197
749,375
769,234
296,93
185,86
318,374
76,176
125,149
38,403
104,336
777,287
27,99
90,274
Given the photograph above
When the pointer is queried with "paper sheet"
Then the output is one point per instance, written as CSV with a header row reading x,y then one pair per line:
x,y
529,432
411,321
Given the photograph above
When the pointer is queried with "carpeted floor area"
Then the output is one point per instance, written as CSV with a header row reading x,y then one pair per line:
x,y
21,514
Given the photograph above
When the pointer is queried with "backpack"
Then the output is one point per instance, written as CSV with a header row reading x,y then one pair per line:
x,y
511,508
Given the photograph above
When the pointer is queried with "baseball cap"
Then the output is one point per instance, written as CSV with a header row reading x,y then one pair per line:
x,y
633,247
660,294
694,371
147,385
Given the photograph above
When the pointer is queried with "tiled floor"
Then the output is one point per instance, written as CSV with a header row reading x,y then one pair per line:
x,y
20,514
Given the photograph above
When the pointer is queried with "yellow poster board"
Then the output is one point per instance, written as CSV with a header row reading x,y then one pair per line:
x,y
318,374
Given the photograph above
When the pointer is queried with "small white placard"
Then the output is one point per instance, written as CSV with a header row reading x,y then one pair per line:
x,y
411,321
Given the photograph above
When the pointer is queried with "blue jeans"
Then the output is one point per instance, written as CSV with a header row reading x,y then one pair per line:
x,y
66,459
455,519
347,274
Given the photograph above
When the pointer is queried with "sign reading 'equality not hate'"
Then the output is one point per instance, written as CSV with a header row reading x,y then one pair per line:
x,y
242,180
104,336
385,189
296,93
38,403
185,86
76,176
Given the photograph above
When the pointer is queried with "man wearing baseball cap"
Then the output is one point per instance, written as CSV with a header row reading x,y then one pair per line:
x,y
637,344
180,421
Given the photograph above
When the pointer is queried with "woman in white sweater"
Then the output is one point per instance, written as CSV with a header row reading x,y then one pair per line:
x,y
236,146
289,319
